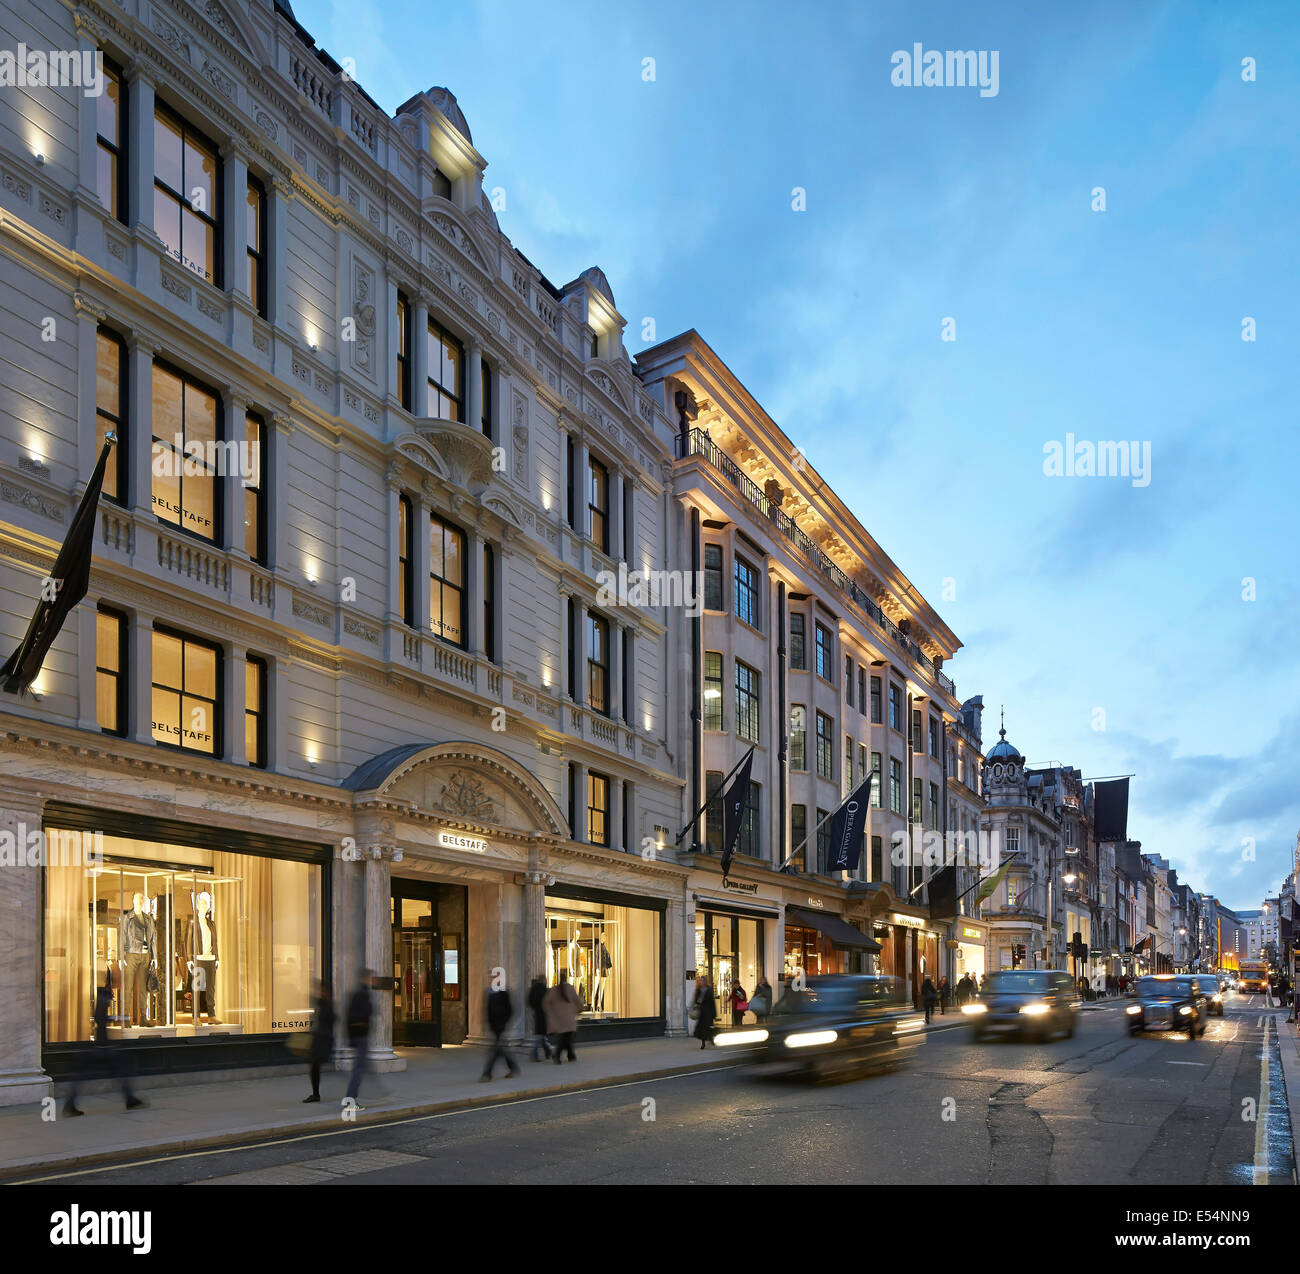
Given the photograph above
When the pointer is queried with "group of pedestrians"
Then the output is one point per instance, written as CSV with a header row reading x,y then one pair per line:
x,y
554,1013
704,1006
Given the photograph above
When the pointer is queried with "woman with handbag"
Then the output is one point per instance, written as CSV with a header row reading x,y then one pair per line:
x,y
739,1004
760,1003
704,1010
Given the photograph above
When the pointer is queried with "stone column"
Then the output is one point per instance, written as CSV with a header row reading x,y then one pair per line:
x,y
420,356
614,691
379,950
279,193
679,939
420,543
474,385
580,832
474,595
234,219
232,726
139,114
235,405
141,348
140,673
534,922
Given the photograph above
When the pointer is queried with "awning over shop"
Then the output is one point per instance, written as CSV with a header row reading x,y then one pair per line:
x,y
840,933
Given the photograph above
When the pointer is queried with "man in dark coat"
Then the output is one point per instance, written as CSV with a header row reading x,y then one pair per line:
x,y
499,1011
322,1035
359,1013
105,1052
536,994
706,1011
929,997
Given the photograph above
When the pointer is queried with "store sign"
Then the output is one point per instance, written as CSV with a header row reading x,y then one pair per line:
x,y
911,922
740,887
968,932
454,840
816,902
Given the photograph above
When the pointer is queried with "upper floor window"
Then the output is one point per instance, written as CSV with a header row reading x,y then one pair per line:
x,y
110,408
110,671
254,482
403,351
876,717
747,841
825,746
713,819
798,737
934,806
441,183
713,690
877,795
447,585
598,664
405,561
187,195
896,707
747,702
187,704
798,642
934,738
256,240
848,680
798,835
110,158
862,689
746,592
825,653
255,711
895,785
916,731
598,504
485,397
597,808
187,422
713,599
490,603
446,389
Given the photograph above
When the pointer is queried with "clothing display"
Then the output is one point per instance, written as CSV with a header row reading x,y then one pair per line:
x,y
136,934
134,1001
202,952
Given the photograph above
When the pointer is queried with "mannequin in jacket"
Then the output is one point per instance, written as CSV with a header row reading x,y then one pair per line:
x,y
137,949
201,944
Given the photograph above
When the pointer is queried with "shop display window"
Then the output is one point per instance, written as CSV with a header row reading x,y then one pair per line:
x,y
193,941
729,948
611,954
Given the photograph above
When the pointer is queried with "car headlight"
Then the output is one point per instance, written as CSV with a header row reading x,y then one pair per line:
x,y
1133,1008
730,1039
1218,999
1037,1009
974,1008
810,1039
1184,1010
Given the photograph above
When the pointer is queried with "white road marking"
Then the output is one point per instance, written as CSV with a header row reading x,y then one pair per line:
x,y
1189,1063
1261,1119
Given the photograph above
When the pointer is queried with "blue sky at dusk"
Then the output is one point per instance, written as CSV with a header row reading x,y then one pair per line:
x,y
1071,594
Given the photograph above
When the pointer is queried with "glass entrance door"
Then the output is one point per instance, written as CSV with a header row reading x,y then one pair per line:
x,y
417,972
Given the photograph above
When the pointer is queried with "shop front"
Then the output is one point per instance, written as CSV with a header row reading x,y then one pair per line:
x,y
817,941
968,956
430,922
731,943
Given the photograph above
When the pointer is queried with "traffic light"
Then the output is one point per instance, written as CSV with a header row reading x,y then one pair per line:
x,y
1017,954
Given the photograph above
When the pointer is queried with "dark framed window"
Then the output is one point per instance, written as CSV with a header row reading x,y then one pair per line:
x,y
573,650
896,707
187,194
748,841
798,834
254,483
878,787
713,816
485,396
747,702
570,477
447,585
825,653
918,802
895,785
187,692
255,234
746,593
823,840
255,711
934,738
848,763
573,799
712,690
798,642
876,716
629,801
597,808
934,806
598,664
625,667
598,504
713,595
111,409
111,134
446,388
405,560
403,372
110,670
799,737
441,183
629,528
877,858
862,689
490,603
825,746
187,442
848,680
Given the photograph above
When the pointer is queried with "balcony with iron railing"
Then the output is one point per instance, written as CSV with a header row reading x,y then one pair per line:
x,y
698,443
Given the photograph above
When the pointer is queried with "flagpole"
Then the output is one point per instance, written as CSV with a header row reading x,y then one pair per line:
x,y
711,799
843,802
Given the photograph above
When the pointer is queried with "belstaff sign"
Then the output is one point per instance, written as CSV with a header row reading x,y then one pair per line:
x,y
454,840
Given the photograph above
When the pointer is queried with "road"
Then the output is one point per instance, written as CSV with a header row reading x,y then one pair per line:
x,y
1100,1108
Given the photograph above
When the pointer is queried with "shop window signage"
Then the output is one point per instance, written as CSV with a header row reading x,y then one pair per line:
x,y
968,932
911,922
454,840
741,887
816,902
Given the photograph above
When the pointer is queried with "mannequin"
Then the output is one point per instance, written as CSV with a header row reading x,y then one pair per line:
x,y
601,975
201,944
137,950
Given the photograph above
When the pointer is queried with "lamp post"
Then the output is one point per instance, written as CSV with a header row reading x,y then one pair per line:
x,y
1068,879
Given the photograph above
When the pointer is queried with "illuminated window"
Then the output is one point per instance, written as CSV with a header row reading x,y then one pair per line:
x,y
186,449
747,702
187,195
446,388
254,483
404,351
712,690
446,581
255,236
255,711
597,809
598,504
110,670
798,737
110,409
110,160
186,692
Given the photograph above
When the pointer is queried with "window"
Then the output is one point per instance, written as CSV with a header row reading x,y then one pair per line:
x,y
254,482
571,497
823,840
485,396
747,714
1013,841
110,671
934,806
712,690
862,688
934,738
713,819
848,681
876,717
405,561
186,446
847,776
825,748
490,603
862,762
404,351
572,670
895,708
895,785
573,798
255,711
446,581
597,809
747,842
187,195
598,664
746,593
713,577
186,692
110,409
1013,891
918,802
878,787
441,183
825,653
798,642
255,236
798,737
798,834
629,525
110,162
446,388
625,665
917,743
877,858
598,504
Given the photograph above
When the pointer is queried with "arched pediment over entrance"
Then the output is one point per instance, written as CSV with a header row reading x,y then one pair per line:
x,y
466,783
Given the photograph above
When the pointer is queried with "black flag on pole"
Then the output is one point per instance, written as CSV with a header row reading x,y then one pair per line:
x,y
1110,809
847,825
65,586
734,800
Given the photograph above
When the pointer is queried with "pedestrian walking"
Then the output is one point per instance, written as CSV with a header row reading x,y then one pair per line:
x,y
965,990
739,1004
561,1006
704,1010
359,1012
541,1044
929,997
760,1003
500,1009
323,1020
945,994
105,1055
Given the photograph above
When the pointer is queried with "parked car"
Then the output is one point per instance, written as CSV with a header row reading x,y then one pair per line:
x,y
1213,993
835,1023
1028,1002
1169,1002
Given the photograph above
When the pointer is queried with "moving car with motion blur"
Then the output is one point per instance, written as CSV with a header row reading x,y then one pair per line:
x,y
1213,993
1169,1002
1034,1003
836,1023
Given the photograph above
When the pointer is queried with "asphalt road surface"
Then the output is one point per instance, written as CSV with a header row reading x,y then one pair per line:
x,y
1101,1108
